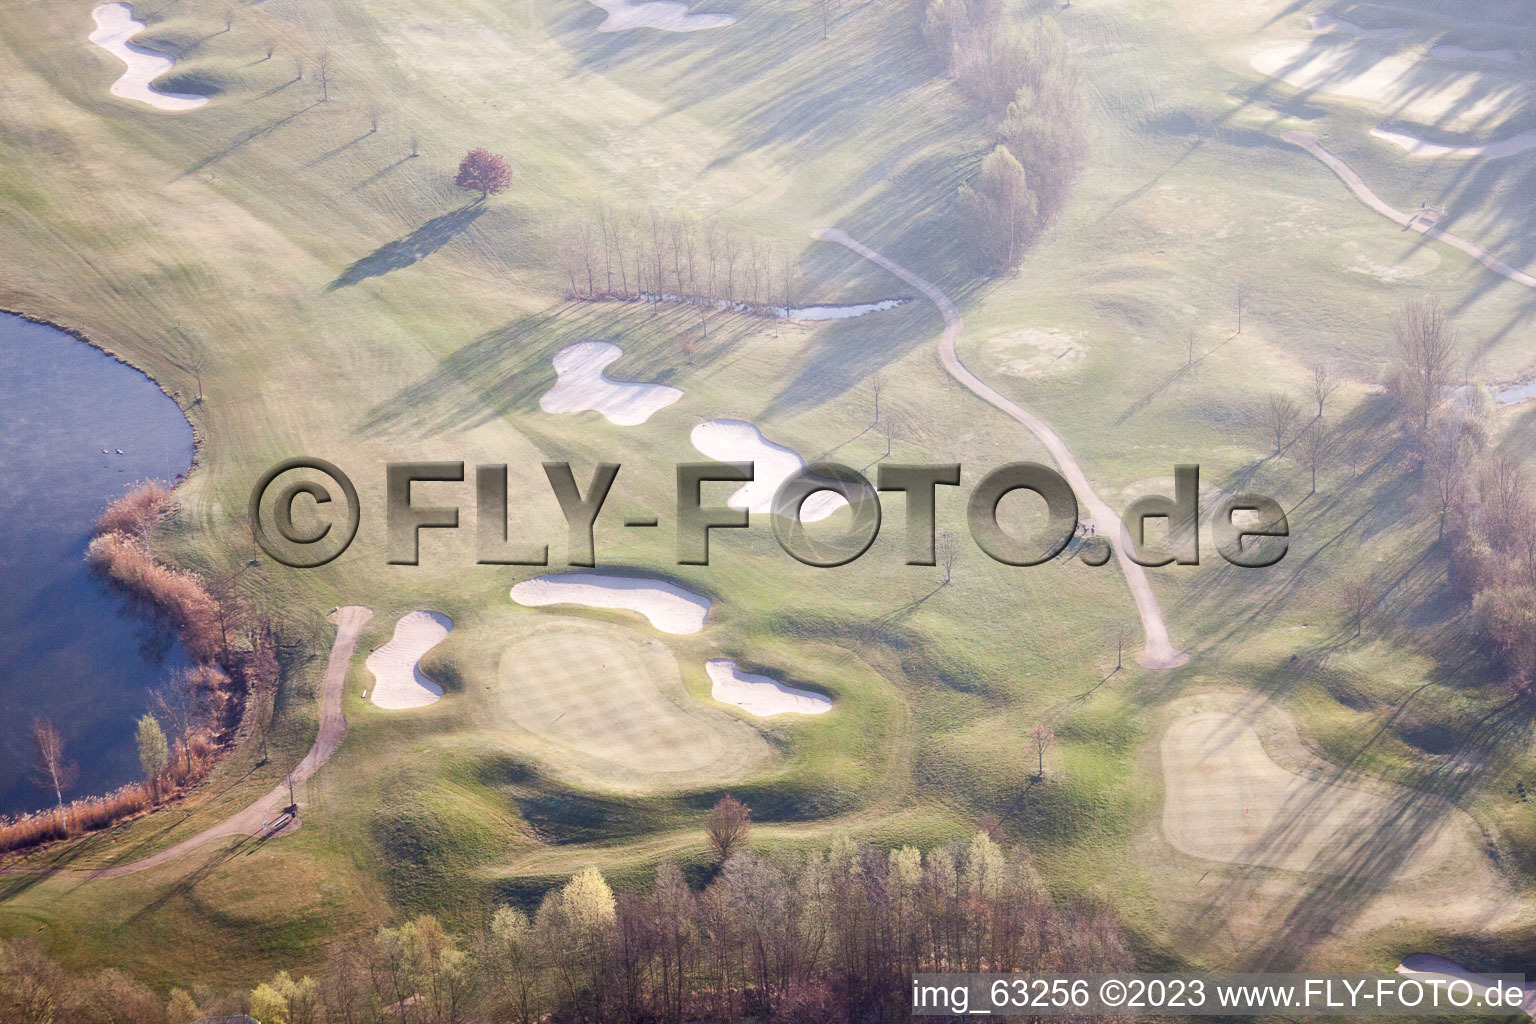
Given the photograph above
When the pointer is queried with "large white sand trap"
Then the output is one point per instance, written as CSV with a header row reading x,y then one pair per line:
x,y
758,695
1427,964
581,385
1448,51
1227,800
1328,23
666,15
1415,146
115,25
740,441
670,608
396,667
1427,92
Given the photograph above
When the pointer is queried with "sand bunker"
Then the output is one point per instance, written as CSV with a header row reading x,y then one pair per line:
x,y
1415,146
581,385
669,608
1429,964
1227,800
1448,51
758,695
1328,23
115,25
740,441
666,15
604,704
1456,99
398,679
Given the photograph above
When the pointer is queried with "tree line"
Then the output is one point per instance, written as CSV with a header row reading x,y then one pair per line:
x,y
620,253
1027,84
1482,499
820,937
192,717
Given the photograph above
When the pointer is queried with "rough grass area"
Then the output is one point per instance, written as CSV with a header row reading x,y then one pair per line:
x,y
304,284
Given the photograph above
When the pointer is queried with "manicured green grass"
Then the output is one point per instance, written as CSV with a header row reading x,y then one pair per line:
x,y
335,296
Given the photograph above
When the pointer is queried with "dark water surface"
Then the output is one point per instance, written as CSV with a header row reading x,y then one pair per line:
x,y
71,649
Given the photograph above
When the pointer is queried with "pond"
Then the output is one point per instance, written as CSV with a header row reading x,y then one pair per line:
x,y
75,651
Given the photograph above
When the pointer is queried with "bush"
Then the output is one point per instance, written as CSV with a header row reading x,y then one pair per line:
x,y
136,511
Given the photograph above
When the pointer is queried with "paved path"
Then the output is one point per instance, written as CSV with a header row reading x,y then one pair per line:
x,y
1159,652
249,822
1413,222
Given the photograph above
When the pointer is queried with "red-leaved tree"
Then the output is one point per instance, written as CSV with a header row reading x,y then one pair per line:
x,y
484,172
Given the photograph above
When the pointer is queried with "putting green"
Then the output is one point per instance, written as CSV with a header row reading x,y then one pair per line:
x,y
608,706
1228,800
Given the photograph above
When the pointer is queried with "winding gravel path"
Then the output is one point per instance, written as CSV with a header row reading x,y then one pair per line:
x,y
1308,141
251,821
1159,651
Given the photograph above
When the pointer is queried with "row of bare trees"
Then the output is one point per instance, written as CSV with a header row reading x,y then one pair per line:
x,y
1483,501
827,936
614,252
1027,83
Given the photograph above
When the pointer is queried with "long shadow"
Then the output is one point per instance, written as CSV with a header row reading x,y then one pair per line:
x,y
245,139
323,157
413,248
382,172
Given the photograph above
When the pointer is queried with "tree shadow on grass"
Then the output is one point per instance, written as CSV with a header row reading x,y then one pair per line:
x,y
413,248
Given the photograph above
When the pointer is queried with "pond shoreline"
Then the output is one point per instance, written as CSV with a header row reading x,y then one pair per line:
x,y
126,600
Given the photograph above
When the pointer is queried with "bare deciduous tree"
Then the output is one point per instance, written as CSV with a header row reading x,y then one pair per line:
x,y
1318,445
1121,634
323,73
946,550
1447,482
52,769
727,825
1279,415
827,6
1426,346
180,702
1324,382
1043,739
1356,592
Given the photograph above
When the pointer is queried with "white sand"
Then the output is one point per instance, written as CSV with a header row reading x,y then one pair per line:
x,y
1328,23
740,441
1448,51
1429,964
669,608
399,682
758,695
666,15
1456,99
115,25
1415,146
581,385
